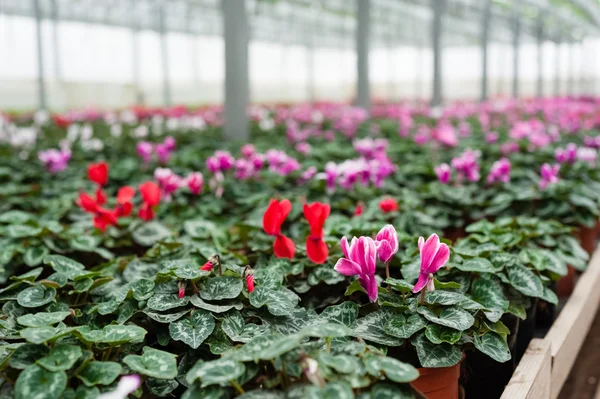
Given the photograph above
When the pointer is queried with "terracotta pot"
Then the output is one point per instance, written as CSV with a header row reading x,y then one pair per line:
x,y
438,383
565,286
587,238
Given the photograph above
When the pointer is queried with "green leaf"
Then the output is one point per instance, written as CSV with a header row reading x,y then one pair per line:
x,y
219,371
142,289
393,369
337,390
161,388
116,335
493,345
34,255
27,354
344,313
163,302
401,285
150,233
371,328
233,325
345,364
99,373
36,296
36,382
277,301
438,334
39,335
451,298
549,296
21,231
436,355
190,272
331,330
223,287
453,317
525,281
17,217
61,357
489,293
199,228
64,265
267,347
193,330
199,303
84,243
352,288
400,327
477,265
153,363
166,317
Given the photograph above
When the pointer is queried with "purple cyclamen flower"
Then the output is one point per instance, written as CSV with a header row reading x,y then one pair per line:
x,y
548,175
443,173
360,259
244,169
145,149
387,243
163,153
226,160
567,154
434,255
55,160
330,176
307,175
500,171
588,155
169,143
248,150
213,164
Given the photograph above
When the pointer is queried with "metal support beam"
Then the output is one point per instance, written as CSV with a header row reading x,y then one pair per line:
x,y
237,91
363,15
571,79
56,42
540,60
164,53
516,59
39,55
485,33
436,38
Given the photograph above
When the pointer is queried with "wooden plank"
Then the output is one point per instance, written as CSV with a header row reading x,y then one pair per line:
x,y
531,379
573,323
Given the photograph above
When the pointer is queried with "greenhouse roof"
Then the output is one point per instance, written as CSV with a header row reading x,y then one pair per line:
x,y
331,23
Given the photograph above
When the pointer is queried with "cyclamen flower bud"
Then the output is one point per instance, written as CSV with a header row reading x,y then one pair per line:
x,y
181,285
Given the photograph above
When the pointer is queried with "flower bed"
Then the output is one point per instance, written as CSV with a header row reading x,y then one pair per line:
x,y
143,255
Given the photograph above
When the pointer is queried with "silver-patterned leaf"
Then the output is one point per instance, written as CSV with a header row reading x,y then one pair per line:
x,y
34,255
193,330
477,265
99,373
393,369
150,233
267,347
42,319
153,363
199,303
35,382
221,287
453,317
61,357
219,371
163,302
344,313
371,328
278,302
438,334
493,345
166,317
36,296
436,355
64,265
400,327
331,330
525,281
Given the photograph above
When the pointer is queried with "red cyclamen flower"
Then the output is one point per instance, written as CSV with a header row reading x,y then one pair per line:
x,y
102,217
316,214
359,209
388,205
273,218
250,282
124,197
151,196
98,173
208,266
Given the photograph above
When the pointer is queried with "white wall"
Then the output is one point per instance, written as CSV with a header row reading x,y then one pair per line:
x,y
97,69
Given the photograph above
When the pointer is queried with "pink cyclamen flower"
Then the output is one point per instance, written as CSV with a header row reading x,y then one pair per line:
x,y
169,143
434,255
163,153
443,173
500,171
55,160
195,181
127,384
145,149
248,150
168,181
303,148
360,259
387,243
548,175
588,155
491,137
567,154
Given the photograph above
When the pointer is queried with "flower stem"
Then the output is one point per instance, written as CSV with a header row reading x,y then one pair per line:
x,y
423,296
387,269
237,387
328,340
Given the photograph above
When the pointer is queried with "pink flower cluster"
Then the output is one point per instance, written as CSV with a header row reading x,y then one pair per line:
x,y
371,148
467,166
169,182
55,160
221,161
548,175
567,154
281,163
500,171
163,151
354,171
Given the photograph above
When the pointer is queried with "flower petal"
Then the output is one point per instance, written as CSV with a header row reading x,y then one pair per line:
x,y
369,283
283,247
421,282
347,267
428,251
440,258
317,250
